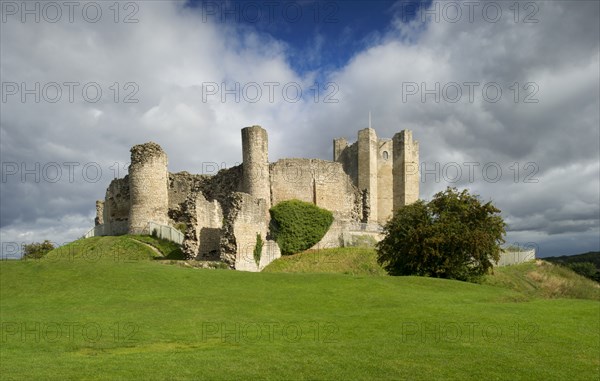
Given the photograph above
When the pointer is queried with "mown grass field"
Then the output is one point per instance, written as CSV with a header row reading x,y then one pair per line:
x,y
117,317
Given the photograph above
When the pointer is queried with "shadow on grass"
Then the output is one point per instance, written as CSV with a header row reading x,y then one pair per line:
x,y
175,255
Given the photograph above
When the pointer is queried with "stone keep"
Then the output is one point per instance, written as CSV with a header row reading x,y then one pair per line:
x,y
384,170
148,176
406,169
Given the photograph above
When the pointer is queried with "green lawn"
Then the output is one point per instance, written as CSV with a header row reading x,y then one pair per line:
x,y
131,318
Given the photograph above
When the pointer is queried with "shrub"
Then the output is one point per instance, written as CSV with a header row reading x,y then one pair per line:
x,y
258,249
37,250
453,236
297,225
181,226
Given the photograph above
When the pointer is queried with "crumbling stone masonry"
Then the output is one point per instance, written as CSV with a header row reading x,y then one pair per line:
x,y
223,214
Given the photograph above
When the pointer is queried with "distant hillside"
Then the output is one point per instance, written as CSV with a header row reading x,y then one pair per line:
x,y
592,256
586,264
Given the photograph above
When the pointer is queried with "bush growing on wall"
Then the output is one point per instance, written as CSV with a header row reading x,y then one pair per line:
x,y
297,225
181,226
258,249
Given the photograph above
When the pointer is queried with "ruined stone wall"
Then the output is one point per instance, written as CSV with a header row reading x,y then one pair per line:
x,y
335,191
211,197
182,186
343,233
148,179
321,182
116,207
205,221
99,220
247,224
405,169
332,237
220,186
385,184
209,228
348,156
339,146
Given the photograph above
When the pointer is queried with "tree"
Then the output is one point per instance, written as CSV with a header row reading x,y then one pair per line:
x,y
37,250
453,236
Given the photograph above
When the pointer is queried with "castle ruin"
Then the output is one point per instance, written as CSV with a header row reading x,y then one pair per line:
x,y
223,213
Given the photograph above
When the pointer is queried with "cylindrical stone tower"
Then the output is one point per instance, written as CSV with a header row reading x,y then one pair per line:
x,y
255,153
148,182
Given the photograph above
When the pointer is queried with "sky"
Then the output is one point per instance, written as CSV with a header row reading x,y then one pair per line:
x,y
503,97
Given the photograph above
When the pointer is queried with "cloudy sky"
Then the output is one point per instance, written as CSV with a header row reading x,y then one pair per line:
x,y
503,98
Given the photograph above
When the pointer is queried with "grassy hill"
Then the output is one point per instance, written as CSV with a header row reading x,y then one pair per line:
x,y
116,249
350,260
543,279
533,279
70,318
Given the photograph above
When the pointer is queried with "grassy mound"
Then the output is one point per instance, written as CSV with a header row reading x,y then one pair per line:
x,y
168,249
533,279
116,249
348,260
544,279
297,225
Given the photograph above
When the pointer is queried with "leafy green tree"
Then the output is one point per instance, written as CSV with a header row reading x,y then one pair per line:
x,y
37,250
453,236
